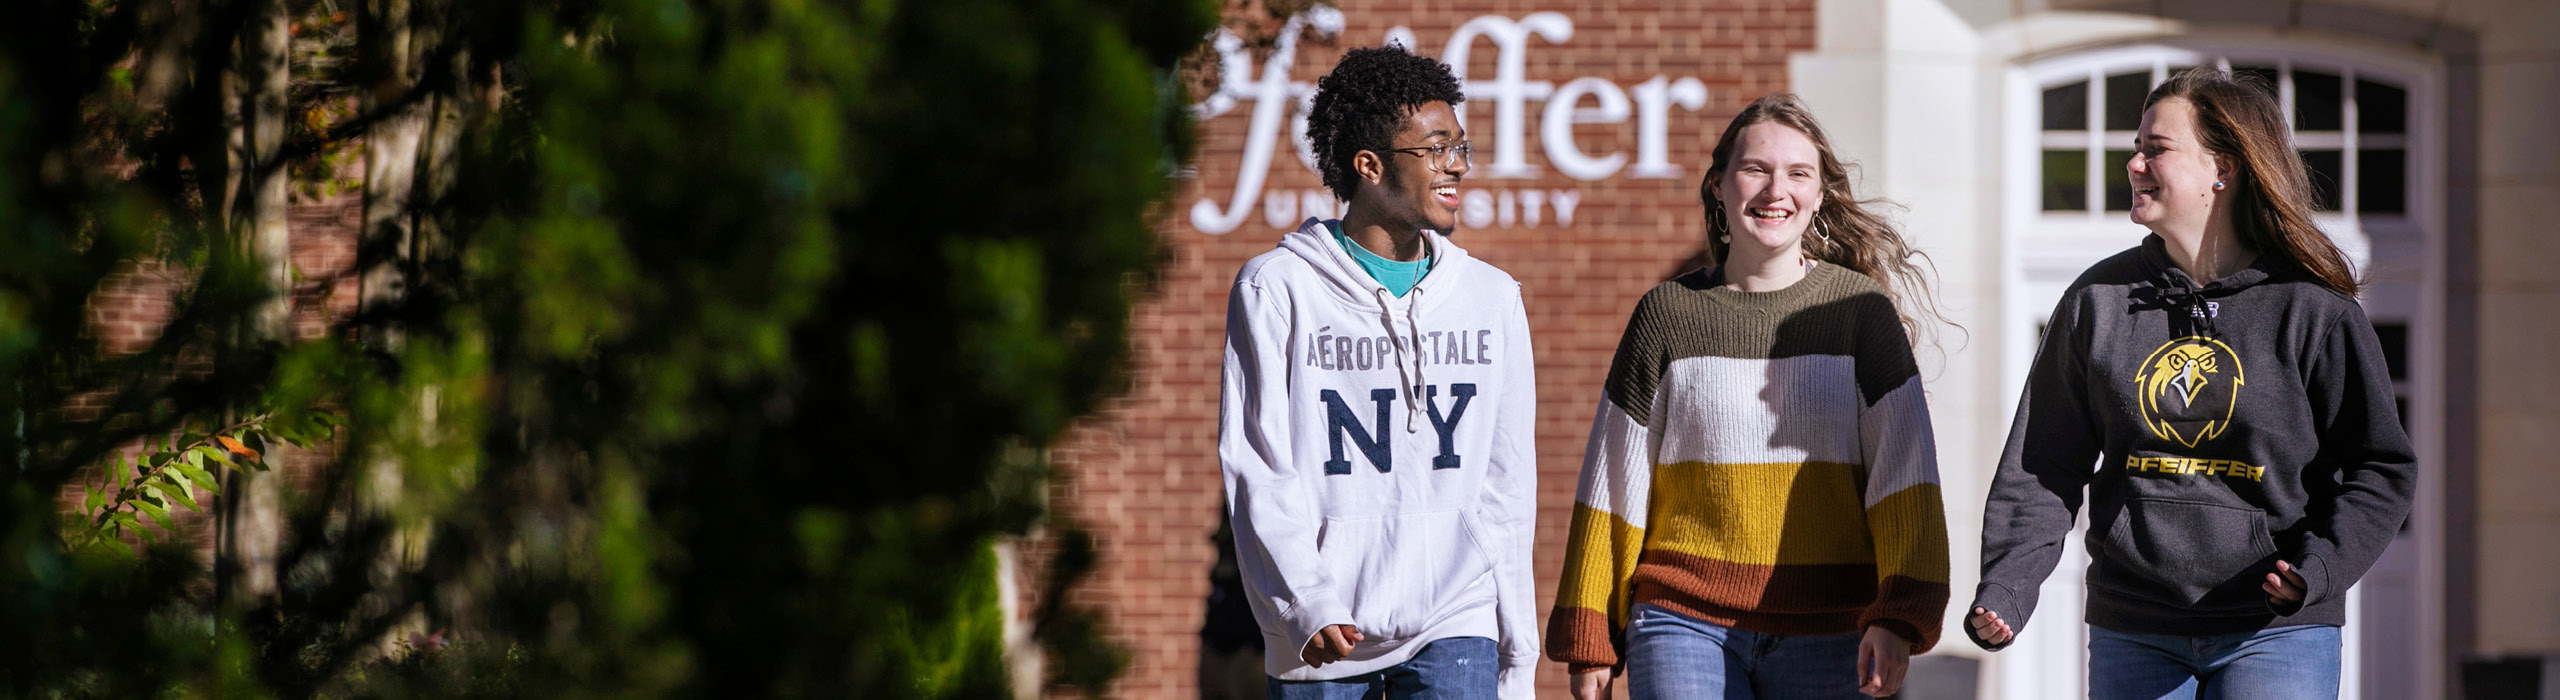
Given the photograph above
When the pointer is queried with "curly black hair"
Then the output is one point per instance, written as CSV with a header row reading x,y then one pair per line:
x,y
1363,103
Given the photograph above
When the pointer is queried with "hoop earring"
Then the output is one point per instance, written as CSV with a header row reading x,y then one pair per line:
x,y
1722,236
1818,230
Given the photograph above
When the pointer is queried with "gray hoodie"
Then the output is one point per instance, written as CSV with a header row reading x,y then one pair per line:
x,y
2232,425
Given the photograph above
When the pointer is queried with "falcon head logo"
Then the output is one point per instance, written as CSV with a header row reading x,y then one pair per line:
x,y
2190,387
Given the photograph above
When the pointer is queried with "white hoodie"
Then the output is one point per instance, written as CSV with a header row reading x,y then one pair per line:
x,y
1380,457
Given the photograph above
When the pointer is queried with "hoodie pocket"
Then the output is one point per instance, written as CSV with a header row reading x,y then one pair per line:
x,y
2182,552
1410,565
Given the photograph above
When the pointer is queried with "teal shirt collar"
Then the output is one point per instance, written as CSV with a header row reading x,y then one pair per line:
x,y
1397,276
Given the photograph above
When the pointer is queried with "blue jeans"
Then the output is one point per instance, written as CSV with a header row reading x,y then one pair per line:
x,y
1449,669
2277,663
1671,656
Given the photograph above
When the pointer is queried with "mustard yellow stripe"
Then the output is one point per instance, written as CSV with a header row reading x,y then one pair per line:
x,y
1911,534
1599,563
1765,514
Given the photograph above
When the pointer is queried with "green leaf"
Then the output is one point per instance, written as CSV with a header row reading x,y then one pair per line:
x,y
96,498
195,456
119,545
179,490
158,515
203,479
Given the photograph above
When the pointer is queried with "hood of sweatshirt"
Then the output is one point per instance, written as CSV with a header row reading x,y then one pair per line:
x,y
1313,242
2194,308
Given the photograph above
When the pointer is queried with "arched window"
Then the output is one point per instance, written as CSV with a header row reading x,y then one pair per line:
x,y
2353,132
2356,121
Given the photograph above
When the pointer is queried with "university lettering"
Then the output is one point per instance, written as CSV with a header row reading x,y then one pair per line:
x,y
1280,102
2207,467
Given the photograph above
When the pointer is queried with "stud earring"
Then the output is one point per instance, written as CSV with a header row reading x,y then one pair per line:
x,y
2217,185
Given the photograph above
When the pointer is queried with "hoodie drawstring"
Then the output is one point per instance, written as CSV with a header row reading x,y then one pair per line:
x,y
1412,341
1413,336
2192,299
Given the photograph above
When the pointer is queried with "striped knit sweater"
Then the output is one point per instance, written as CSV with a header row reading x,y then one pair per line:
x,y
1762,461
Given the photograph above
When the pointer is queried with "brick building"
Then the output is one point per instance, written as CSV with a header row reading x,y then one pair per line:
x,y
1145,476
1998,126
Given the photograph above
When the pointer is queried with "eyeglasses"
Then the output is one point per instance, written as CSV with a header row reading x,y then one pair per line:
x,y
1443,156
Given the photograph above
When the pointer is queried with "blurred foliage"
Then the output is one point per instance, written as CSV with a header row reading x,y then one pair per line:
x,y
728,339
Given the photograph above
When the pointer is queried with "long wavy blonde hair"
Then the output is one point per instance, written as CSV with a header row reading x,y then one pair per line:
x,y
1849,234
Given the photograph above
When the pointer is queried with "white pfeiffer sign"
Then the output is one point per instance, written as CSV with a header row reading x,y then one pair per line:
x,y
1509,92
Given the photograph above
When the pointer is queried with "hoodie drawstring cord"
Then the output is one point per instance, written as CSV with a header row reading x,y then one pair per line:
x,y
2188,296
1413,336
1411,341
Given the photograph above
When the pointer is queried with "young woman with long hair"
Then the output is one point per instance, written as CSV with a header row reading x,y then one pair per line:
x,y
1758,515
2249,462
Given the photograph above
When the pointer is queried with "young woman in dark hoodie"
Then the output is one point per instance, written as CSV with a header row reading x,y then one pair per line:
x,y
2249,462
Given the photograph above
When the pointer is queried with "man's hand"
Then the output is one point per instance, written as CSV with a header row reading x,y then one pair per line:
x,y
1330,644
1592,683
1882,658
2284,587
1988,627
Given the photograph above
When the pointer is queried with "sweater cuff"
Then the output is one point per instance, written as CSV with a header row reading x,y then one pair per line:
x,y
1581,637
1904,630
2315,584
1309,620
1517,682
1997,599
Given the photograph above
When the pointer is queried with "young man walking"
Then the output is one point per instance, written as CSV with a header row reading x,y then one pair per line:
x,y
1375,426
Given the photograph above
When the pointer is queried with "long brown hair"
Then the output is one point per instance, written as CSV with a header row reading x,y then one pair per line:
x,y
1849,235
2237,117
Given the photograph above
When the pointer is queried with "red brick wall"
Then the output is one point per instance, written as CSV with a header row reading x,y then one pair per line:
x,y
1144,475
130,308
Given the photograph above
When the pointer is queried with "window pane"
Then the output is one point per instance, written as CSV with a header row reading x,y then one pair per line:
x,y
2318,102
2119,190
2261,77
2325,169
2066,180
2066,108
2395,348
2382,176
2124,100
2381,109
